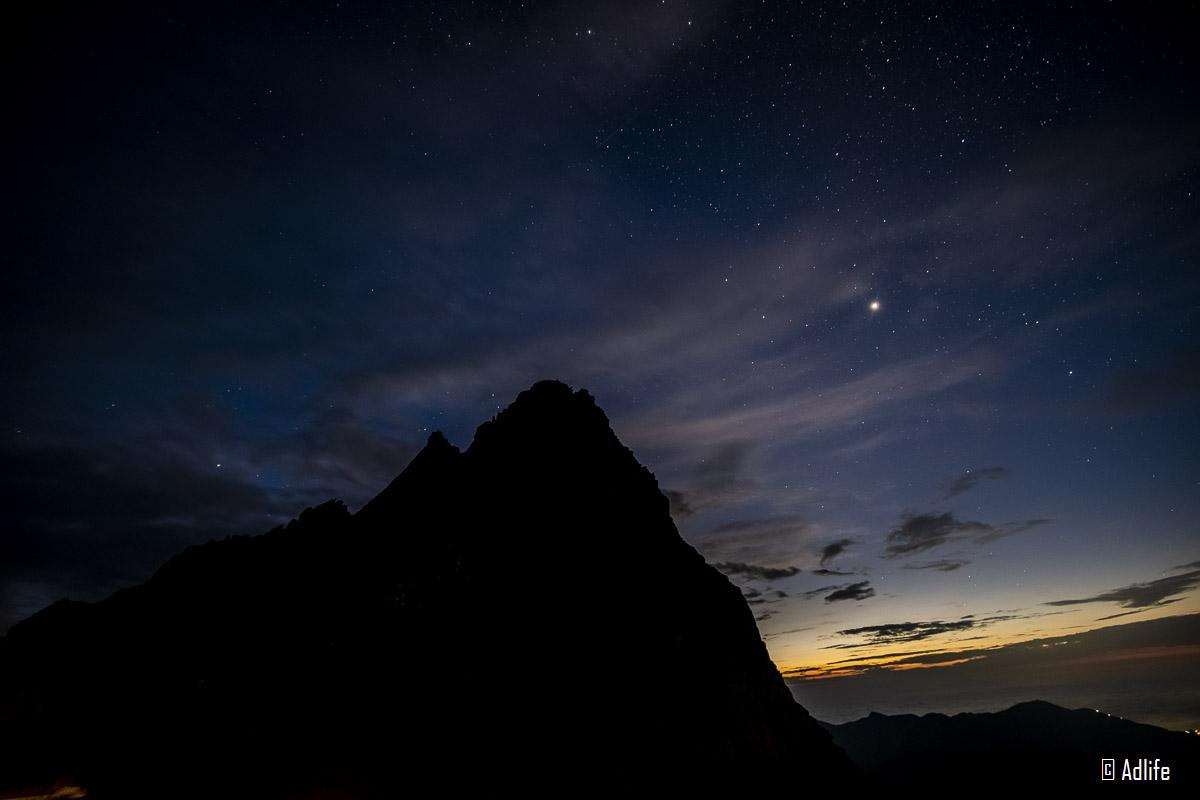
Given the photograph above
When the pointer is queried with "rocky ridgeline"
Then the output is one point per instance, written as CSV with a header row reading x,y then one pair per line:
x,y
521,615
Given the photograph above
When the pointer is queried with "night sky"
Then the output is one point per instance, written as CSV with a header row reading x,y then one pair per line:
x,y
898,301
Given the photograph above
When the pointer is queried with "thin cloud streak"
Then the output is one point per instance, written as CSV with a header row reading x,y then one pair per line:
x,y
855,591
772,542
809,413
974,478
920,532
755,571
944,565
1153,594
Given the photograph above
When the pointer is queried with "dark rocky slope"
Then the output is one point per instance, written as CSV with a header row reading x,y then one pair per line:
x,y
521,615
1033,744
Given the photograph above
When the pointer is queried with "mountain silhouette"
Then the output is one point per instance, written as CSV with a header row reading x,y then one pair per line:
x,y
1030,744
522,615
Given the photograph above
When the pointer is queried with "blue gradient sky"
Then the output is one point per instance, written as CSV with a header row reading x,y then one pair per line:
x,y
899,305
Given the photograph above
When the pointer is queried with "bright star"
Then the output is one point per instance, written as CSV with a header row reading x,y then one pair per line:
x,y
875,305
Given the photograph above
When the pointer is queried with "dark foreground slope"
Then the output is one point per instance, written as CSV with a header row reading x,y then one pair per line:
x,y
1034,744
522,614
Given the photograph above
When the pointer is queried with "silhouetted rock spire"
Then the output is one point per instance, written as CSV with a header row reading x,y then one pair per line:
x,y
525,607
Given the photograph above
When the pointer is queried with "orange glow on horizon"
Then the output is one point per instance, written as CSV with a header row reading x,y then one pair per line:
x,y
882,662
59,790
899,667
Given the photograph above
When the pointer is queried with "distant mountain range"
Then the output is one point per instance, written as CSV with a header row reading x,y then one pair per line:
x,y
521,616
1035,745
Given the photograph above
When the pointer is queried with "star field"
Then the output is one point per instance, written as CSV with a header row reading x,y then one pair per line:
x,y
899,304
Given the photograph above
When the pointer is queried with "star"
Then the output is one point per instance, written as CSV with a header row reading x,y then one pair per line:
x,y
875,305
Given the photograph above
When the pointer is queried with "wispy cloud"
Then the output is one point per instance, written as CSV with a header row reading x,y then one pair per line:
x,y
770,542
920,532
1045,193
754,571
1011,529
904,631
855,591
943,565
1137,644
718,480
973,478
1161,592
895,632
802,414
833,550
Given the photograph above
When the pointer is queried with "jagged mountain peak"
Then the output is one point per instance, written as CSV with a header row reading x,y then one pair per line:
x,y
525,604
548,415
